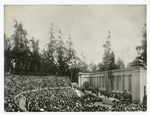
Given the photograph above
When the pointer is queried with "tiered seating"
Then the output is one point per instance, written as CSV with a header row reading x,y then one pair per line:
x,y
15,84
51,93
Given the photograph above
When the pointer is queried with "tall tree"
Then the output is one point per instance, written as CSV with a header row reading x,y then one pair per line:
x,y
120,64
35,56
100,67
93,67
83,66
112,64
142,49
71,58
107,51
61,55
109,56
7,54
20,49
49,53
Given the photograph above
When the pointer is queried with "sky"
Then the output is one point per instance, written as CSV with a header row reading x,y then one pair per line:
x,y
88,26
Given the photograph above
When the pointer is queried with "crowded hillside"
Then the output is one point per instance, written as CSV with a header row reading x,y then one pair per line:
x,y
52,93
14,85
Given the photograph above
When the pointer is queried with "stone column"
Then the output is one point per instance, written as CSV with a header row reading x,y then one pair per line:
x,y
123,82
130,83
89,81
136,86
101,81
115,83
97,81
126,82
112,82
92,81
120,83
139,79
82,81
78,81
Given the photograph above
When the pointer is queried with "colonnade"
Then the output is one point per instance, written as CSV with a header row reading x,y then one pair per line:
x,y
119,82
122,82
133,79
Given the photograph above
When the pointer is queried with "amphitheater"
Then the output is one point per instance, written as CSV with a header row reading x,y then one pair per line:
x,y
55,93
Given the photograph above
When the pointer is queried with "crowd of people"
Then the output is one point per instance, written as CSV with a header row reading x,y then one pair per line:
x,y
67,100
52,100
91,98
10,105
124,97
63,100
16,84
129,107
51,93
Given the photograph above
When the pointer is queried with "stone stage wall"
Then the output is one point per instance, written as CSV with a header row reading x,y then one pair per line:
x,y
134,80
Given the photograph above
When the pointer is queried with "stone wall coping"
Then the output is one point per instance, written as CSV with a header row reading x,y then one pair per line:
x,y
120,71
113,71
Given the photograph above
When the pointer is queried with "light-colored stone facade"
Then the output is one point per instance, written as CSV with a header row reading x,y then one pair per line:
x,y
134,80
